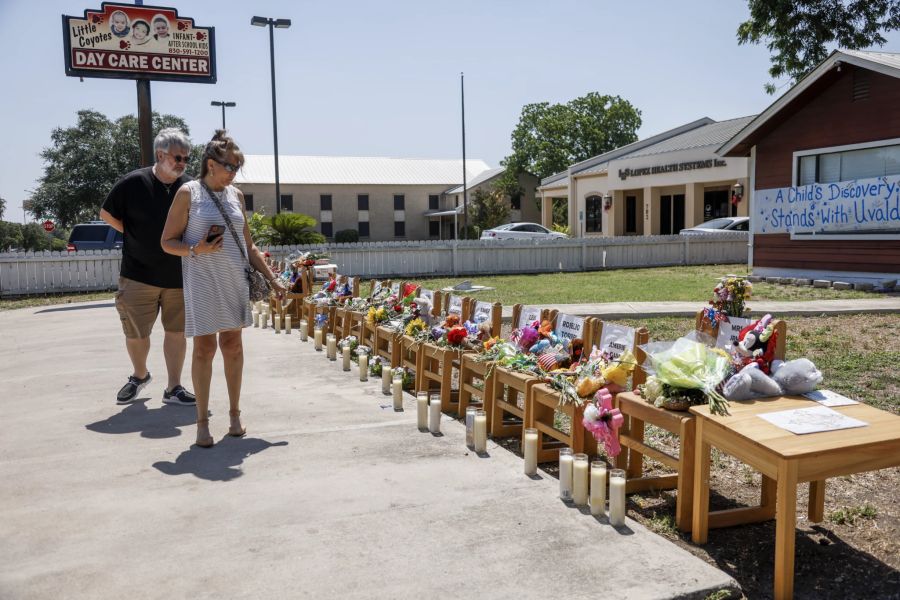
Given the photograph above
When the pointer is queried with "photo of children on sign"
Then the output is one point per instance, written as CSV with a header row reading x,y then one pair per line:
x,y
136,41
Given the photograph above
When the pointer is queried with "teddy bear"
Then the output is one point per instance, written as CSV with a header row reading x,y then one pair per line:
x,y
756,344
791,377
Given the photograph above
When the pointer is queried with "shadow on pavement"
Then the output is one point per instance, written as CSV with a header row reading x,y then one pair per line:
x,y
78,307
153,423
219,463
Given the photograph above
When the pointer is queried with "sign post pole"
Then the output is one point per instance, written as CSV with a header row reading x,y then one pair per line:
x,y
145,122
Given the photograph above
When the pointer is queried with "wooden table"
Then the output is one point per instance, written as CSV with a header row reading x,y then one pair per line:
x,y
789,459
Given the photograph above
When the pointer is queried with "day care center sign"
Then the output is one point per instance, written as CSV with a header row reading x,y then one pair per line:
x,y
126,41
845,206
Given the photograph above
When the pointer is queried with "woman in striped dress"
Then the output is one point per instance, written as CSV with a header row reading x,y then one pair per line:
x,y
216,293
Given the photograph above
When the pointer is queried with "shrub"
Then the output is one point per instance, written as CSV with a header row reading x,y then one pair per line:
x,y
346,236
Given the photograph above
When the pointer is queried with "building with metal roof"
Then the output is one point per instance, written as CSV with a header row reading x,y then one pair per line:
x,y
655,186
381,198
825,173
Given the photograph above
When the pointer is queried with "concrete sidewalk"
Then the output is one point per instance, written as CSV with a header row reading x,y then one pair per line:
x,y
332,494
778,308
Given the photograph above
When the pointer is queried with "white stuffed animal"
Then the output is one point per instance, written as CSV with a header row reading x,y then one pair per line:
x,y
788,378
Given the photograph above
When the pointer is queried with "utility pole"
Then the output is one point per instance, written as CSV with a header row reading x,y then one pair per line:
x,y
462,97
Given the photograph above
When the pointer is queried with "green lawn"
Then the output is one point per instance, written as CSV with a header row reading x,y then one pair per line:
x,y
690,284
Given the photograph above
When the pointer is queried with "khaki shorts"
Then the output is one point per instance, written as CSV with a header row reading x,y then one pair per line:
x,y
139,304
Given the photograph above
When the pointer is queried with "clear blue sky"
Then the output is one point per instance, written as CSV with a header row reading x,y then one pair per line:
x,y
362,78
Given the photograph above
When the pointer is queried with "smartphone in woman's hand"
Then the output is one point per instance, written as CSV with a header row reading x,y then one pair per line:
x,y
214,232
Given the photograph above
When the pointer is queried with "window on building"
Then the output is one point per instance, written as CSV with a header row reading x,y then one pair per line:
x,y
434,228
363,228
248,202
399,228
434,202
325,202
327,230
630,214
864,163
362,202
287,202
399,202
593,214
516,202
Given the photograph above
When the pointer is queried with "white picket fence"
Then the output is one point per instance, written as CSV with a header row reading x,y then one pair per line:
x,y
52,272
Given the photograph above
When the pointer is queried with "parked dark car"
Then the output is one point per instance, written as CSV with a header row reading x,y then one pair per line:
x,y
94,235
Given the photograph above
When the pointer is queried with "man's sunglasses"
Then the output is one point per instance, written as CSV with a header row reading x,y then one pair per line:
x,y
179,158
228,166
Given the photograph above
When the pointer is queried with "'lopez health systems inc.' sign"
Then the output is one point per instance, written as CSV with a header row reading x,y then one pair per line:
x,y
127,41
845,206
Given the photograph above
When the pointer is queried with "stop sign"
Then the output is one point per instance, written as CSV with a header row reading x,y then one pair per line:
x,y
49,226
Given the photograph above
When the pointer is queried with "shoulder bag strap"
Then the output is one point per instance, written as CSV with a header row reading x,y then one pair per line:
x,y
228,222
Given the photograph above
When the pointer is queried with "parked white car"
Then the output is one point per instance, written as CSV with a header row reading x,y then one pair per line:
x,y
721,224
529,231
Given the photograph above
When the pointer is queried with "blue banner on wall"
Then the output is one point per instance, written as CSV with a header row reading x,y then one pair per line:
x,y
845,206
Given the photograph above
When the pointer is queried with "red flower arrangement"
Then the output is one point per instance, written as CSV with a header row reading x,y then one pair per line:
x,y
409,288
457,335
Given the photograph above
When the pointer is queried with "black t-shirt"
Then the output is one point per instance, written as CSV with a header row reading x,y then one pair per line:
x,y
141,202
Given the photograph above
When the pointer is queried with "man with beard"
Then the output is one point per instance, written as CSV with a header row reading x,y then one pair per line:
x,y
150,280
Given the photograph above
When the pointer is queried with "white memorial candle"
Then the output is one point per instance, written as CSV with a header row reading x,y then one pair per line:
x,y
617,497
332,347
580,478
287,324
397,391
434,413
263,319
385,380
255,315
277,319
598,487
346,356
317,339
303,325
363,366
422,410
480,431
470,426
565,474
530,451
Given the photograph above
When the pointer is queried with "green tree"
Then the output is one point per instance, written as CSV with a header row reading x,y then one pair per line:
x,y
84,161
798,32
10,236
489,208
2,206
34,237
288,229
550,137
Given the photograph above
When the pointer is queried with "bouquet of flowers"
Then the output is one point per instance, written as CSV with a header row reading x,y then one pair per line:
x,y
377,315
376,365
729,297
686,369
600,370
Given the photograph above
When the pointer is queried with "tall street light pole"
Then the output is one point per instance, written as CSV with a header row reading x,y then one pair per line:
x,y
462,100
223,104
281,24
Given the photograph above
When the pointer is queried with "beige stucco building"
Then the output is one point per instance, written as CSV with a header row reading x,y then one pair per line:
x,y
381,198
655,186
